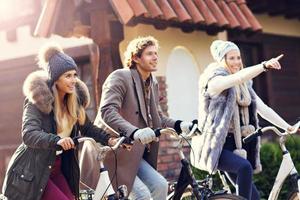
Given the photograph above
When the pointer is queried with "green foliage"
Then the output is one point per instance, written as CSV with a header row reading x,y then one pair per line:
x,y
217,183
271,157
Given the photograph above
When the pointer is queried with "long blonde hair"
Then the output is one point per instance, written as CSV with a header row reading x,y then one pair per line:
x,y
66,119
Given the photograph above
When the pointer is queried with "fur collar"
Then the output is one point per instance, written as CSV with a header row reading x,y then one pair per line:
x,y
36,89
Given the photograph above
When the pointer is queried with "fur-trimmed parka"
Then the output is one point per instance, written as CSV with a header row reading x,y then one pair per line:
x,y
30,166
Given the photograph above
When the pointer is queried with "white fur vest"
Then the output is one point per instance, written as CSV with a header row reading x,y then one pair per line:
x,y
215,115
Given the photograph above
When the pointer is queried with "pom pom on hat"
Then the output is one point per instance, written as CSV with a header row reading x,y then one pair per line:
x,y
47,51
219,48
52,59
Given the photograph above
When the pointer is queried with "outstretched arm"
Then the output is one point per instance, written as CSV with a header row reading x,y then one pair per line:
x,y
270,115
221,83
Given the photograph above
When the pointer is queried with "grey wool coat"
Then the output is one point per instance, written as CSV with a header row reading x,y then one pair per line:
x,y
30,166
215,115
123,109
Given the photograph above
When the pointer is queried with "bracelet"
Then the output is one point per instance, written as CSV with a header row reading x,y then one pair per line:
x,y
264,66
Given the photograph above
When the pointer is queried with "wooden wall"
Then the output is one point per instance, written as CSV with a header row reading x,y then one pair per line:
x,y
279,89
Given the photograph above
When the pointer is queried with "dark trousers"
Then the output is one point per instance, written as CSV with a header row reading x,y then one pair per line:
x,y
239,169
57,187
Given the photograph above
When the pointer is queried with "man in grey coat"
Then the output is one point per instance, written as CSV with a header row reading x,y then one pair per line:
x,y
130,106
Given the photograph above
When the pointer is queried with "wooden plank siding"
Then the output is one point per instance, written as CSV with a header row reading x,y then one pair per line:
x,y
279,89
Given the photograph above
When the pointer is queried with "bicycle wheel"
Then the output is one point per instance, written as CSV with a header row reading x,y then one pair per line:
x,y
293,196
188,195
226,196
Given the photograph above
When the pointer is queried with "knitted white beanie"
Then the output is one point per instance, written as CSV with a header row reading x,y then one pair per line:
x,y
219,48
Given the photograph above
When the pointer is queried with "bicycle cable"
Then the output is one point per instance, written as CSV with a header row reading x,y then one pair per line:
x,y
294,140
189,144
114,176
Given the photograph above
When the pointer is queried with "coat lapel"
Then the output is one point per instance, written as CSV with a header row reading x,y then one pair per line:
x,y
154,103
139,92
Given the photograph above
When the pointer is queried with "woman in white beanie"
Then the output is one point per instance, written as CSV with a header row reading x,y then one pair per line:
x,y
54,112
228,108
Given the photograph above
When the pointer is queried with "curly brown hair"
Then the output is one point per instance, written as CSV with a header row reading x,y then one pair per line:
x,y
136,48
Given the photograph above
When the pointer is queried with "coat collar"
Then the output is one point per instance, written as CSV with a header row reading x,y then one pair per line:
x,y
36,89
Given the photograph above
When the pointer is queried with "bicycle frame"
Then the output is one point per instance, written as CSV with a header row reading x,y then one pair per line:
x,y
186,176
104,187
287,166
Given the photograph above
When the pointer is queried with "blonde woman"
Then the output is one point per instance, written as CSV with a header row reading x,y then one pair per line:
x,y
54,112
228,108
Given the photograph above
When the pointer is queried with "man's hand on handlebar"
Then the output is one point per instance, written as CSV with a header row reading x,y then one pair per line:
x,y
144,135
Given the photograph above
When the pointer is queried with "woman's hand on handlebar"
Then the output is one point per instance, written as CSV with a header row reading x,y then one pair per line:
x,y
293,129
66,143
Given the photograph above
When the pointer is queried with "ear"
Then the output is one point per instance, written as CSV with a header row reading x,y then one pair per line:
x,y
136,59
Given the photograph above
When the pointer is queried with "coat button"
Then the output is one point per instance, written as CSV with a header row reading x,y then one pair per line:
x,y
50,167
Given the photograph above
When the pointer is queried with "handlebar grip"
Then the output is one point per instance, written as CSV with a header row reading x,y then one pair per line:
x,y
252,136
58,148
127,140
157,132
75,140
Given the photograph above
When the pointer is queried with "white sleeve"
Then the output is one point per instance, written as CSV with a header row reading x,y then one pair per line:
x,y
270,115
220,83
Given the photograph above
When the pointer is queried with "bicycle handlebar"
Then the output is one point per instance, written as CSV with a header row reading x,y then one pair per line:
x,y
173,133
124,139
260,131
78,140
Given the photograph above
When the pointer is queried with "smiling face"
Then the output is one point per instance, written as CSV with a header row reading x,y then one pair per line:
x,y
147,62
233,61
66,82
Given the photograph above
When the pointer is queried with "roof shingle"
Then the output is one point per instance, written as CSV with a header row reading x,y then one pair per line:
x,y
224,14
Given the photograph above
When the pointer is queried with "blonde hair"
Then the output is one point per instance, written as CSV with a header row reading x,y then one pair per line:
x,y
66,119
136,48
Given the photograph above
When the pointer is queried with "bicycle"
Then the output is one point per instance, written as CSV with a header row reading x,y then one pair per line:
x,y
187,187
287,167
104,189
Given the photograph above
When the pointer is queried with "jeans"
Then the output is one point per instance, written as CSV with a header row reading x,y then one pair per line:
x,y
148,184
240,171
